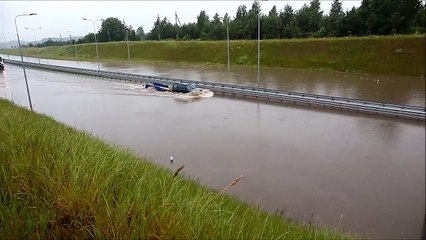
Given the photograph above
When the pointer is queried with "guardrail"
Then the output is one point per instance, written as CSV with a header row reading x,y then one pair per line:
x,y
405,111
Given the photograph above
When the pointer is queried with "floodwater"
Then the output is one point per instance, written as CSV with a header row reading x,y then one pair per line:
x,y
354,172
382,88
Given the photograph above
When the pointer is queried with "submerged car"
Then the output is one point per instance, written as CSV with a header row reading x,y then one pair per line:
x,y
176,87
183,87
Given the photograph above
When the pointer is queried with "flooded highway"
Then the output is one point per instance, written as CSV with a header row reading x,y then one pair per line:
x,y
354,172
382,88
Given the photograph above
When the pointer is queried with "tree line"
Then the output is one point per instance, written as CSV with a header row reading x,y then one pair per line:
x,y
378,17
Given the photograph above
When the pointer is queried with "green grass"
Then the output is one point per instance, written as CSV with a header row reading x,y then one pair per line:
x,y
395,55
57,182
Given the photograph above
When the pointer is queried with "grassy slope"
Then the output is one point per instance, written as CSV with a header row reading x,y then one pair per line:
x,y
56,182
399,55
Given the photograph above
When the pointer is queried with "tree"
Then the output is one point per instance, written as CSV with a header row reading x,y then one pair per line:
x,y
89,38
238,26
288,24
202,25
315,18
302,17
216,28
381,16
252,18
112,29
396,20
162,29
271,24
189,31
335,19
420,20
351,22
140,34
405,13
154,34
167,30
131,33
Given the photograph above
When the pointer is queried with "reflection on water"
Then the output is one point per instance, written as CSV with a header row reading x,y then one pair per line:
x,y
3,79
382,88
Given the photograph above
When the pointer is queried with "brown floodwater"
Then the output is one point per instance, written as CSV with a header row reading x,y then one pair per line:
x,y
354,172
383,88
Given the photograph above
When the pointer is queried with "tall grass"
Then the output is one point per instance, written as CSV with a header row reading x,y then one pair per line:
x,y
57,182
399,55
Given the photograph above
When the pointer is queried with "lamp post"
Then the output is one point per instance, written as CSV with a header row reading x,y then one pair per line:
x,y
35,39
34,31
127,41
258,49
96,41
258,46
75,45
22,59
227,36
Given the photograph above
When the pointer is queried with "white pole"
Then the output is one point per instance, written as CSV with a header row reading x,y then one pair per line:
x,y
258,51
96,41
35,39
227,36
96,45
22,59
128,47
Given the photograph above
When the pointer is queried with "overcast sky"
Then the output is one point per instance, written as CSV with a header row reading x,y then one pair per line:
x,y
57,17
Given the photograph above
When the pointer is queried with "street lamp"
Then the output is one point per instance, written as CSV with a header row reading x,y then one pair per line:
x,y
75,45
96,41
35,39
258,49
22,59
258,46
227,36
34,31
127,40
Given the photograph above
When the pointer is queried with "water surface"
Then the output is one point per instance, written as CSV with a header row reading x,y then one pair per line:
x,y
355,172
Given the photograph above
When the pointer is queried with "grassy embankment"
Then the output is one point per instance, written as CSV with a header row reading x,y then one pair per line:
x,y
57,182
398,55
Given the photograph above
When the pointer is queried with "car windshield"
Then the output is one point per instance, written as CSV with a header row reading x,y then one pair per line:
x,y
191,87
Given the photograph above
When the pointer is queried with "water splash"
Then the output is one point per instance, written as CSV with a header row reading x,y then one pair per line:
x,y
197,93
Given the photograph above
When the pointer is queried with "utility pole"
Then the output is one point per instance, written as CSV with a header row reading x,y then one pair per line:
x,y
127,39
177,26
158,17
